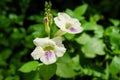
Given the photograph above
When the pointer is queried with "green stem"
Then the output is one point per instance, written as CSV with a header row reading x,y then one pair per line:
x,y
59,33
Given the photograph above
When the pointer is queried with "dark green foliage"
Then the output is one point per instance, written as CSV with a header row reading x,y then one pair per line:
x,y
93,54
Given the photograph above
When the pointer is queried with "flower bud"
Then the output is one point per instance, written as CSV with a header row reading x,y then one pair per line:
x,y
50,19
47,28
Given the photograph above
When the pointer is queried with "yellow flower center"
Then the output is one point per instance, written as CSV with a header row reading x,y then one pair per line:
x,y
68,25
48,48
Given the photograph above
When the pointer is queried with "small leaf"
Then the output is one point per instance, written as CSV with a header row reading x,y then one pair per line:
x,y
5,54
80,10
95,18
70,12
114,66
13,16
29,66
115,22
64,59
47,71
99,31
89,26
114,37
70,36
76,61
34,75
83,39
65,70
93,47
109,30
91,72
37,18
12,78
37,30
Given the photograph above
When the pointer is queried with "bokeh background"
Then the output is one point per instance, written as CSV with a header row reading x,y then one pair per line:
x,y
93,54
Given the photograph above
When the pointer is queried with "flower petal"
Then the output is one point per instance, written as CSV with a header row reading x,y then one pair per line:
x,y
58,41
60,22
37,53
43,42
75,26
60,51
61,19
75,29
48,57
64,15
75,21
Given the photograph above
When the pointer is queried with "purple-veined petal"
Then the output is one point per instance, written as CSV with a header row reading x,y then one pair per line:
x,y
48,57
75,30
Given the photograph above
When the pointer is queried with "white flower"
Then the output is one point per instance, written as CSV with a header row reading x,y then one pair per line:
x,y
68,24
48,50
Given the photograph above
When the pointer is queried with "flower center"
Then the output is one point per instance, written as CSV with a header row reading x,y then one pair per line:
x,y
48,54
72,29
68,25
47,48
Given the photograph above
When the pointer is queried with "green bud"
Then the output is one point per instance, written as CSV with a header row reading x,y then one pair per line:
x,y
47,27
50,19
50,4
46,4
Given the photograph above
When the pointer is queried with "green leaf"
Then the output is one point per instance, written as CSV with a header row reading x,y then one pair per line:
x,y
13,16
5,54
106,75
114,37
37,29
34,75
115,40
93,47
99,31
83,39
90,72
109,30
65,70
89,26
115,66
12,78
36,18
70,12
47,71
76,61
80,10
29,66
1,77
115,22
95,18
69,36
64,59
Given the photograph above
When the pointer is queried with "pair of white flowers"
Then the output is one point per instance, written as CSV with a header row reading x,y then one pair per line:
x,y
48,50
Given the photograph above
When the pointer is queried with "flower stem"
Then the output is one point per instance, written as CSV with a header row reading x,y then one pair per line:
x,y
59,33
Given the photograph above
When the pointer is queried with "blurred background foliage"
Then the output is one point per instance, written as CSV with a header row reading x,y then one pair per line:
x,y
93,54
